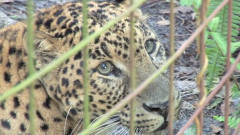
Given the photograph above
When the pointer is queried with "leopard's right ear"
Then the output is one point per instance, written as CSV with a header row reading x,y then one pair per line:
x,y
127,3
124,2
46,48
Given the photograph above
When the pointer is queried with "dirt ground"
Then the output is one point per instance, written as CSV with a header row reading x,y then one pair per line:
x,y
157,15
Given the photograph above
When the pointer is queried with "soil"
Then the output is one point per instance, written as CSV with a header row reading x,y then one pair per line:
x,y
157,16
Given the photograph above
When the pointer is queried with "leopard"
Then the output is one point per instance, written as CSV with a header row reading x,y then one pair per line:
x,y
59,95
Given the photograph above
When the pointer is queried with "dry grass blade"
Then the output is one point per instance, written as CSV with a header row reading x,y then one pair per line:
x,y
31,68
171,75
132,72
86,114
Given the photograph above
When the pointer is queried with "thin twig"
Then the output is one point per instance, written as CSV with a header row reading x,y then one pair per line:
x,y
227,89
204,64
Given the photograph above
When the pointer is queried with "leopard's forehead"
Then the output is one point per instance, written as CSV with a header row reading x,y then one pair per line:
x,y
68,17
64,22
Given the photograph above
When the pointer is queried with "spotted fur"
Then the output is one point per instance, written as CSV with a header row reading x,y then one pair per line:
x,y
59,94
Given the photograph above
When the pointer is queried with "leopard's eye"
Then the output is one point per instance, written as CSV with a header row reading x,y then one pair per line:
x,y
150,45
105,68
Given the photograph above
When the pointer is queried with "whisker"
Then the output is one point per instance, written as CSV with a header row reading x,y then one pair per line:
x,y
124,131
113,119
105,127
138,131
65,122
120,130
79,128
78,125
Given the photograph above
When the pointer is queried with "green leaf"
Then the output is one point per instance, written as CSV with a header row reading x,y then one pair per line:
x,y
197,4
215,103
221,42
235,46
191,131
233,60
232,121
214,24
186,2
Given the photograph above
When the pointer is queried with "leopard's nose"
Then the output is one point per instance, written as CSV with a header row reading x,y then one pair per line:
x,y
157,108
160,109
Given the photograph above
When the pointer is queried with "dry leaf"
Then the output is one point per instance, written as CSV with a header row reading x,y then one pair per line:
x,y
215,129
184,9
6,1
163,22
188,106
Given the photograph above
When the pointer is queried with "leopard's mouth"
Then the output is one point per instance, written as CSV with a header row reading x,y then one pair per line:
x,y
162,127
114,126
159,111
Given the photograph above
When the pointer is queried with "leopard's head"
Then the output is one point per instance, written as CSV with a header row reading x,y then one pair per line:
x,y
58,29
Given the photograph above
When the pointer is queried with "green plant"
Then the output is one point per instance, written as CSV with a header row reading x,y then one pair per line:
x,y
191,131
216,46
216,40
232,121
215,37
